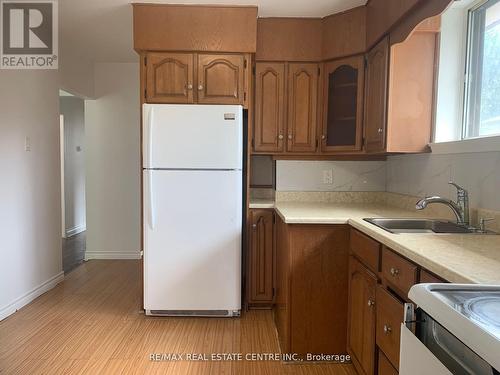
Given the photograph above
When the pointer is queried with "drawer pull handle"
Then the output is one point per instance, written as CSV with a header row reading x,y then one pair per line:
x,y
371,303
394,271
280,136
387,329
254,226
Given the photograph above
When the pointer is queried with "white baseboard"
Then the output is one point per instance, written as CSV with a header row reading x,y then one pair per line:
x,y
112,255
15,305
75,230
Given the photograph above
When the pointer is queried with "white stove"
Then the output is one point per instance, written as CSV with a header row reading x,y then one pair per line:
x,y
456,328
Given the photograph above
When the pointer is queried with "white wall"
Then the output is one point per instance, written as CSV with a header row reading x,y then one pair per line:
x,y
74,163
30,228
347,175
112,139
429,174
451,75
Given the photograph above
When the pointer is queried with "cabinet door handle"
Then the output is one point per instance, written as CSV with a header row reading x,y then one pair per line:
x,y
394,272
280,136
323,137
380,130
371,303
200,87
387,329
190,86
290,136
254,226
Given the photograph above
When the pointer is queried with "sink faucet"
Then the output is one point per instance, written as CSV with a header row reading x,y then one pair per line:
x,y
460,208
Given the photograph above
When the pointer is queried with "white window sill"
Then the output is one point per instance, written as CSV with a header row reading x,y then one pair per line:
x,y
485,144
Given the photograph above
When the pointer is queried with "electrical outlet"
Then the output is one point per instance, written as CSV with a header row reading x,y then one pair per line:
x,y
27,144
328,176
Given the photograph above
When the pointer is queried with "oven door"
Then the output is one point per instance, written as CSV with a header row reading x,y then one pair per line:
x,y
434,350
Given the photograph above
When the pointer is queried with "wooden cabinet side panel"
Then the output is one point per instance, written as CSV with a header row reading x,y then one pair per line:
x,y
282,298
411,88
376,97
269,107
319,288
302,107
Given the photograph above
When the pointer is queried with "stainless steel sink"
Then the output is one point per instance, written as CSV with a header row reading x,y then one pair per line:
x,y
418,226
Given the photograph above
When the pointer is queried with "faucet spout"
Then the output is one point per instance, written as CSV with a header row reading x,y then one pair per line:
x,y
457,210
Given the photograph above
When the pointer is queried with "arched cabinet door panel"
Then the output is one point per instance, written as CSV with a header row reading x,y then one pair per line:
x,y
220,79
343,105
269,107
169,78
377,71
302,107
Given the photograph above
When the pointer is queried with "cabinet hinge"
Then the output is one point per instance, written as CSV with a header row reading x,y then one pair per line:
x,y
244,96
253,70
274,218
317,143
145,60
245,64
145,94
319,70
253,143
274,292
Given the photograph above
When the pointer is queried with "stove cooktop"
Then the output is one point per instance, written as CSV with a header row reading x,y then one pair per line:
x,y
480,306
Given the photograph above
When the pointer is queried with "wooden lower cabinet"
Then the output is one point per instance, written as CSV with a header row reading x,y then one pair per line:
x,y
260,280
311,288
361,318
384,366
389,318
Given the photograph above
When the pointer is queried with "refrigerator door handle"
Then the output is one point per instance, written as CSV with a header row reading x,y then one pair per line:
x,y
149,136
150,201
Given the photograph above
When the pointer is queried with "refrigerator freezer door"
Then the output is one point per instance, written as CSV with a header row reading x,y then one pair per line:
x,y
192,240
192,136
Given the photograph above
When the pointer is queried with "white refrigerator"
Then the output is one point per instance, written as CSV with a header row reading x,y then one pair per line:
x,y
192,195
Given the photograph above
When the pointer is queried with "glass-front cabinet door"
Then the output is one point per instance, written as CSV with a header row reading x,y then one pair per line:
x,y
343,105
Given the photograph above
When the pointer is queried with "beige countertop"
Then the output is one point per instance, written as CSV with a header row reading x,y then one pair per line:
x,y
261,203
458,258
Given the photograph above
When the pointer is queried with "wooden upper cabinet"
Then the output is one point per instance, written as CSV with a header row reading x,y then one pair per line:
x,y
169,78
269,107
302,107
361,321
221,79
343,105
261,253
377,69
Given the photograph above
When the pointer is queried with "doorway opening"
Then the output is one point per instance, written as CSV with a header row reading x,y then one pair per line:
x,y
72,158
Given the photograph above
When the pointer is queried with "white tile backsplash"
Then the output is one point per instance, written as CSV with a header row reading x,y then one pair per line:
x,y
415,175
294,175
429,174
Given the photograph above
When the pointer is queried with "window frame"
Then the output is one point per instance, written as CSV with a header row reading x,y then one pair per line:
x,y
474,69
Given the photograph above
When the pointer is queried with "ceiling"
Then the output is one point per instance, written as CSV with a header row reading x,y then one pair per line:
x,y
101,30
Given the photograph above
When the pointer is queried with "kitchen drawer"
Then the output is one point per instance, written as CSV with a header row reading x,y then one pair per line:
x,y
384,366
398,272
366,249
389,319
427,277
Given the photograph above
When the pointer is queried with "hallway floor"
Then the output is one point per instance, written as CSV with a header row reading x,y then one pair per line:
x,y
91,324
73,250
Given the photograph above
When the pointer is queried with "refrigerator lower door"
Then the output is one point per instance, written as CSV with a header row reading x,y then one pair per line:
x,y
192,242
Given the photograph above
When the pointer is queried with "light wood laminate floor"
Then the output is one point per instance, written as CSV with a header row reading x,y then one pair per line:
x,y
91,324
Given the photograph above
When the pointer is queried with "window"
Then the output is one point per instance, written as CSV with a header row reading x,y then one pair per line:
x,y
482,95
